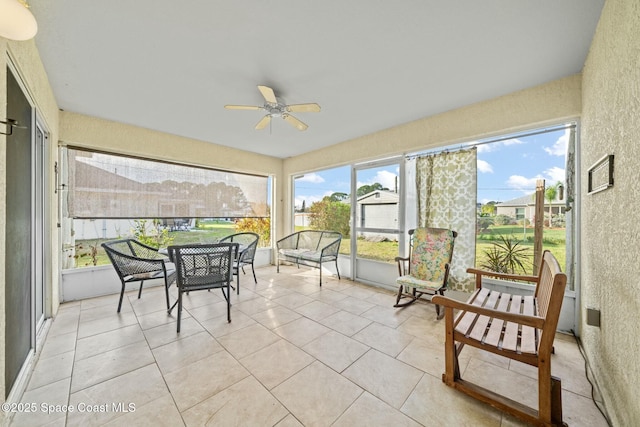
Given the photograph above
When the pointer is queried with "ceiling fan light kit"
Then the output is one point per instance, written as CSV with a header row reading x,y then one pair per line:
x,y
278,108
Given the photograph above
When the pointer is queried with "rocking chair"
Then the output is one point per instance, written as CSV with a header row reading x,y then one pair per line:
x,y
426,269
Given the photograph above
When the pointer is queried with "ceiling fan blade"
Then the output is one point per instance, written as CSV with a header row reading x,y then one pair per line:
x,y
242,107
268,94
264,122
294,122
304,108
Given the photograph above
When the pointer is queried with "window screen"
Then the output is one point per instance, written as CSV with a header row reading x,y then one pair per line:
x,y
111,186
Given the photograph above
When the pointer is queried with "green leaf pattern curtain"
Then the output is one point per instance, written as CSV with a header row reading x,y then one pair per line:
x,y
446,185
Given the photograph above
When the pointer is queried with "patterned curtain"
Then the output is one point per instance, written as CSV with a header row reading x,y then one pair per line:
x,y
447,188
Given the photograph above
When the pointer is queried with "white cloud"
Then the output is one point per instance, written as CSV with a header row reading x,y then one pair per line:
x,y
559,148
494,146
555,174
385,178
519,182
311,177
484,166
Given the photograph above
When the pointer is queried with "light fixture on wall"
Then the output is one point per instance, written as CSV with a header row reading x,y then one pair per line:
x,y
16,20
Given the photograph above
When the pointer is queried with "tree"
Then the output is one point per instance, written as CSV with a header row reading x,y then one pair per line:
x,y
489,208
330,215
550,195
366,189
338,197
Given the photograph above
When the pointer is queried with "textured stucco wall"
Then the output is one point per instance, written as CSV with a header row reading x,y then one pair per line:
x,y
25,58
611,219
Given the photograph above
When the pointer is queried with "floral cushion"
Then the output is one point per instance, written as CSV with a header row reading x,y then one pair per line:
x,y
432,248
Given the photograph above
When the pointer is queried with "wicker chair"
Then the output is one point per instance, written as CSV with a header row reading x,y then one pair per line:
x,y
137,262
426,269
247,252
208,266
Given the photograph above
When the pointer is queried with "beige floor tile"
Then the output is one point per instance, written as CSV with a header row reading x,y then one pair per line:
x,y
199,298
161,317
177,354
109,323
321,404
246,403
369,411
424,327
353,305
152,300
274,291
384,338
346,323
293,300
255,305
388,316
51,369
164,334
276,316
289,421
276,363
100,311
327,295
385,377
65,322
200,380
316,310
336,350
286,364
106,341
301,331
158,412
209,311
502,381
58,344
427,357
384,299
433,403
578,410
135,388
248,340
43,402
110,364
218,326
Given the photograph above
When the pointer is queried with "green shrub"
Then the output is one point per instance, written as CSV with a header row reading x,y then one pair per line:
x,y
503,220
507,256
261,226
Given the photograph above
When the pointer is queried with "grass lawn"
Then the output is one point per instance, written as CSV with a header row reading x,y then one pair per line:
x,y
211,231
208,233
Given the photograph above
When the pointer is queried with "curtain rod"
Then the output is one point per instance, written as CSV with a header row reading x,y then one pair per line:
x,y
489,141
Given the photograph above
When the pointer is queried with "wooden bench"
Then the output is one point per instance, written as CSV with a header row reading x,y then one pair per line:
x,y
517,327
310,248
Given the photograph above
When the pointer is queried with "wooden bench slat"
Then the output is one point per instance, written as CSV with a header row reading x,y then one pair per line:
x,y
466,320
480,328
529,343
497,325
510,341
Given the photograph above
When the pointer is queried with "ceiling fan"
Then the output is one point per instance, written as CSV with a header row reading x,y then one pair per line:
x,y
277,108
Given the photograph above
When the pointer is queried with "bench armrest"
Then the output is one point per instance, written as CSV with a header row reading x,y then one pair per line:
x,y
522,319
288,242
503,276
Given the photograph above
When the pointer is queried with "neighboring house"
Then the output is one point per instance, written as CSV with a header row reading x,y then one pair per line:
x,y
378,209
525,207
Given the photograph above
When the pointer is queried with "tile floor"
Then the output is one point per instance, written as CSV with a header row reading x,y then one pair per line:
x,y
294,354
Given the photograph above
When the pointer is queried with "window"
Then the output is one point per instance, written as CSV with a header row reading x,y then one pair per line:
x,y
111,196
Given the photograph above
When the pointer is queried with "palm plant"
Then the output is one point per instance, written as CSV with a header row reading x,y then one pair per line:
x,y
506,256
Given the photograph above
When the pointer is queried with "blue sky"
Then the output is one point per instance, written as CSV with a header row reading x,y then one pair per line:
x,y
506,170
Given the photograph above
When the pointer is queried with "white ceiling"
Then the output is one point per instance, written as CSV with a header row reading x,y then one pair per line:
x,y
370,64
